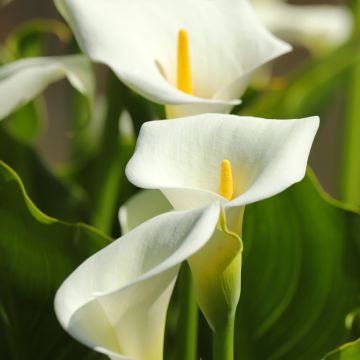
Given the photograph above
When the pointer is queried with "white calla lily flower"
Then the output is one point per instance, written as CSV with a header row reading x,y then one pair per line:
x,y
205,158
22,80
197,55
313,26
183,158
116,301
223,252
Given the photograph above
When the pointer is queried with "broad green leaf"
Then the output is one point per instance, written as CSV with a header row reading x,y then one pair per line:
x,y
301,276
52,194
36,254
349,351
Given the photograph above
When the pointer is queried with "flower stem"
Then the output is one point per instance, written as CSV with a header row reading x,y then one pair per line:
x,y
351,154
223,341
187,326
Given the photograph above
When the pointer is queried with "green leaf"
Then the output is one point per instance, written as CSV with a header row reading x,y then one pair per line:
x,y
301,276
37,252
350,351
54,196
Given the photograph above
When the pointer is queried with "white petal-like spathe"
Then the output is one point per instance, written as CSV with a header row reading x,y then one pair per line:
x,y
215,267
182,157
141,207
216,270
313,26
138,40
21,81
116,301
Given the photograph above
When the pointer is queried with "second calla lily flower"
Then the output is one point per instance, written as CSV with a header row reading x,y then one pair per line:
x,y
116,301
189,159
208,158
196,55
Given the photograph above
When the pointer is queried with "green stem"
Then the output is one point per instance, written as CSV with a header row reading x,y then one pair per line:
x,y
187,325
109,170
350,186
223,341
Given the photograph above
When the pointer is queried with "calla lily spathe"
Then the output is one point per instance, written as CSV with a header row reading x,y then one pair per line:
x,y
141,207
22,80
116,301
313,26
139,40
183,159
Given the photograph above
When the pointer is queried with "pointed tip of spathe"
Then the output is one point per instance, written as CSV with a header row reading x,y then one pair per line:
x,y
311,122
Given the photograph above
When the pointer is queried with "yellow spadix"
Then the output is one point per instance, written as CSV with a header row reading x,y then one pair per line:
x,y
226,188
183,63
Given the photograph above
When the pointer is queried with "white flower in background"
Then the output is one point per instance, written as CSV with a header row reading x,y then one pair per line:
x,y
116,301
314,26
208,158
196,55
22,80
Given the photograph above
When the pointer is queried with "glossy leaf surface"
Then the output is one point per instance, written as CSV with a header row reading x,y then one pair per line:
x,y
37,253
